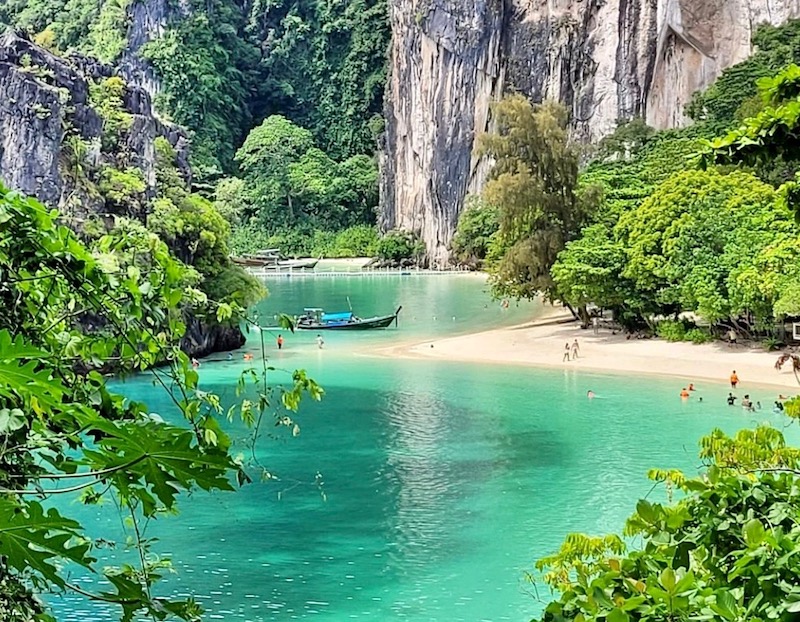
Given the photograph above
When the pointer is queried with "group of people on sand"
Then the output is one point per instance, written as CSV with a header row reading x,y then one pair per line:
x,y
572,350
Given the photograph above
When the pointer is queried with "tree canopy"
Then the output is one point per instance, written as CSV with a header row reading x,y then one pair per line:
x,y
534,184
288,182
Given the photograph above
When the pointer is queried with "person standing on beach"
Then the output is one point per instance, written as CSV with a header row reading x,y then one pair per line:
x,y
320,341
280,342
731,338
566,353
596,325
575,349
734,379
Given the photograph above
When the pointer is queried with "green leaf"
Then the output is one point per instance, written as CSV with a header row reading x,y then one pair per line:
x,y
725,605
31,539
18,348
753,533
617,615
646,511
667,579
11,420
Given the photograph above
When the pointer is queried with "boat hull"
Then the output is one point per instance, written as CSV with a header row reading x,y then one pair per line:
x,y
382,321
367,324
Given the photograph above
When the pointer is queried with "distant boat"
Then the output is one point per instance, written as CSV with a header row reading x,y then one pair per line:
x,y
316,319
270,259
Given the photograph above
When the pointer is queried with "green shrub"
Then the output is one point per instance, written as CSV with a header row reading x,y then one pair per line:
x,y
107,97
234,284
478,226
772,343
356,241
671,330
397,245
698,335
123,190
323,244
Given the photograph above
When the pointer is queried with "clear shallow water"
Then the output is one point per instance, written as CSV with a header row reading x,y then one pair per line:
x,y
443,482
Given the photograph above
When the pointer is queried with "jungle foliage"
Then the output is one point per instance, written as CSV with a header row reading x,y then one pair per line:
x,y
72,311
195,232
224,66
292,189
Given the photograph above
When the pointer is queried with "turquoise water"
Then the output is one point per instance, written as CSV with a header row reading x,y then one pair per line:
x,y
442,482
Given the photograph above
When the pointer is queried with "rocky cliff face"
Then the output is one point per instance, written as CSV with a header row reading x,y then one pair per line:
x,y
45,105
44,100
148,21
605,59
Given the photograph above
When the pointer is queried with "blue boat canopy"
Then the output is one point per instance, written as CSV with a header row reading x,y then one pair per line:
x,y
337,317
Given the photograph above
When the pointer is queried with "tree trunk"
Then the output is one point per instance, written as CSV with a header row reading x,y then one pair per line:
x,y
583,315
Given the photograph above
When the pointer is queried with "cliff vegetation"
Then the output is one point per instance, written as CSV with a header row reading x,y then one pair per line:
x,y
667,236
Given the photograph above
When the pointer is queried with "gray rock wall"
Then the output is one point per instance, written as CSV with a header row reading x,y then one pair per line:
x,y
604,59
43,99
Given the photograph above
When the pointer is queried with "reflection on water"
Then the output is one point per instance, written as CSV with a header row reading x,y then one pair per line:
x,y
423,479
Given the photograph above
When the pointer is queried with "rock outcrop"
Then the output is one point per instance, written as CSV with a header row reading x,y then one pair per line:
x,y
147,21
43,100
604,59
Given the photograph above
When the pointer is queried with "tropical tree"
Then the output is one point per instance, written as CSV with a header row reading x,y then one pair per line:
x,y
690,240
590,270
772,135
265,158
534,184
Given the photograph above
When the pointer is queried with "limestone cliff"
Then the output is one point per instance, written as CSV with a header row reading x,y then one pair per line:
x,y
46,109
44,99
605,59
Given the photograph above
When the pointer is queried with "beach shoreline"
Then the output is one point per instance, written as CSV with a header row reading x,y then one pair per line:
x,y
541,343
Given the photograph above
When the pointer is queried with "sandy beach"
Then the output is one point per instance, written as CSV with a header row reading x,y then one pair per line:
x,y
541,343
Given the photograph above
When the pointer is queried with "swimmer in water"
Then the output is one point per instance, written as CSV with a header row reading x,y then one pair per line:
x,y
590,395
684,393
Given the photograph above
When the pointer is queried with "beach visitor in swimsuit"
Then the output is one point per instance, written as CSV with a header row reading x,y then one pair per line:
x,y
684,393
731,399
566,353
734,379
575,349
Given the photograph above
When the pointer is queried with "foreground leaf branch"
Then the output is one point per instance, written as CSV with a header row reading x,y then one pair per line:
x,y
73,312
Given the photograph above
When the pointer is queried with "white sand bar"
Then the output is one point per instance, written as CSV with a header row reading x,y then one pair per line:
x,y
541,343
